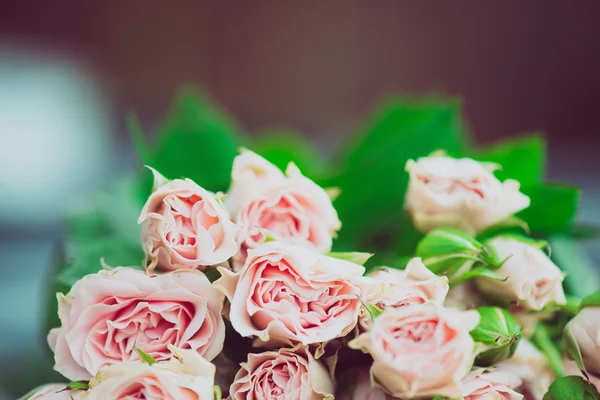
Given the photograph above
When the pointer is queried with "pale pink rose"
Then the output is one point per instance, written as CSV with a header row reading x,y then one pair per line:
x,y
291,374
185,226
106,315
531,366
291,207
585,328
290,294
187,376
493,384
531,278
459,193
357,386
53,391
414,285
420,351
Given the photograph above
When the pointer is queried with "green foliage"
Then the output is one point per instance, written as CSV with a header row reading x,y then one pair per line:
x,y
499,332
352,256
572,388
593,300
553,208
372,178
78,385
583,277
145,357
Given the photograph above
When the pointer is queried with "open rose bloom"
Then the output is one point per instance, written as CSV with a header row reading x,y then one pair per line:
x,y
291,373
107,314
398,288
186,376
185,226
287,294
420,350
291,207
494,384
459,193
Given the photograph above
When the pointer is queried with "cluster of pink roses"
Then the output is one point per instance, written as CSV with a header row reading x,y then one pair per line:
x,y
131,334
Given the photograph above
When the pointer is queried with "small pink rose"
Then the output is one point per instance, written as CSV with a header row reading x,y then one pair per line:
x,y
414,285
459,193
531,366
420,351
494,384
186,376
282,374
289,294
185,226
106,315
291,207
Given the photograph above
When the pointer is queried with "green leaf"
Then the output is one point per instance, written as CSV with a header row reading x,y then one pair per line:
x,y
78,385
217,393
572,388
372,177
572,348
523,159
499,332
281,146
553,208
509,225
444,241
593,300
583,277
112,250
198,140
478,272
353,256
145,357
373,310
137,137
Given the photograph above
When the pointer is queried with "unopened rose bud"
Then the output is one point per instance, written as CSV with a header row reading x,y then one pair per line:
x,y
498,332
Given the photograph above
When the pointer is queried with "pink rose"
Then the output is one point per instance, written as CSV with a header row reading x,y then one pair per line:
x,y
106,315
531,366
289,294
531,278
459,193
414,285
53,391
187,376
291,207
585,328
357,386
494,384
292,374
185,226
420,350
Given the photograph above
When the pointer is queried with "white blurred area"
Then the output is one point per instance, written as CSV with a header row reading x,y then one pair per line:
x,y
55,137
56,146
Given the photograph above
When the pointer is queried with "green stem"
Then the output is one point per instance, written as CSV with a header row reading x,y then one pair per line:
x,y
543,340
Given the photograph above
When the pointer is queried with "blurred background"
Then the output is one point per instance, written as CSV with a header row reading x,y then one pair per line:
x,y
70,70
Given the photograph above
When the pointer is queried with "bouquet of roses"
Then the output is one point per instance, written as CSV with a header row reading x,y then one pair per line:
x,y
241,294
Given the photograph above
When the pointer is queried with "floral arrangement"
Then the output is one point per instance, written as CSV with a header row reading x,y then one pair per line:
x,y
413,266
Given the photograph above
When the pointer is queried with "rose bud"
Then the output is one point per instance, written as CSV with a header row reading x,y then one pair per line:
x,y
288,294
290,207
284,373
356,385
582,336
498,333
530,278
494,384
459,193
457,255
185,226
420,351
413,285
185,376
107,314
53,391
531,366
